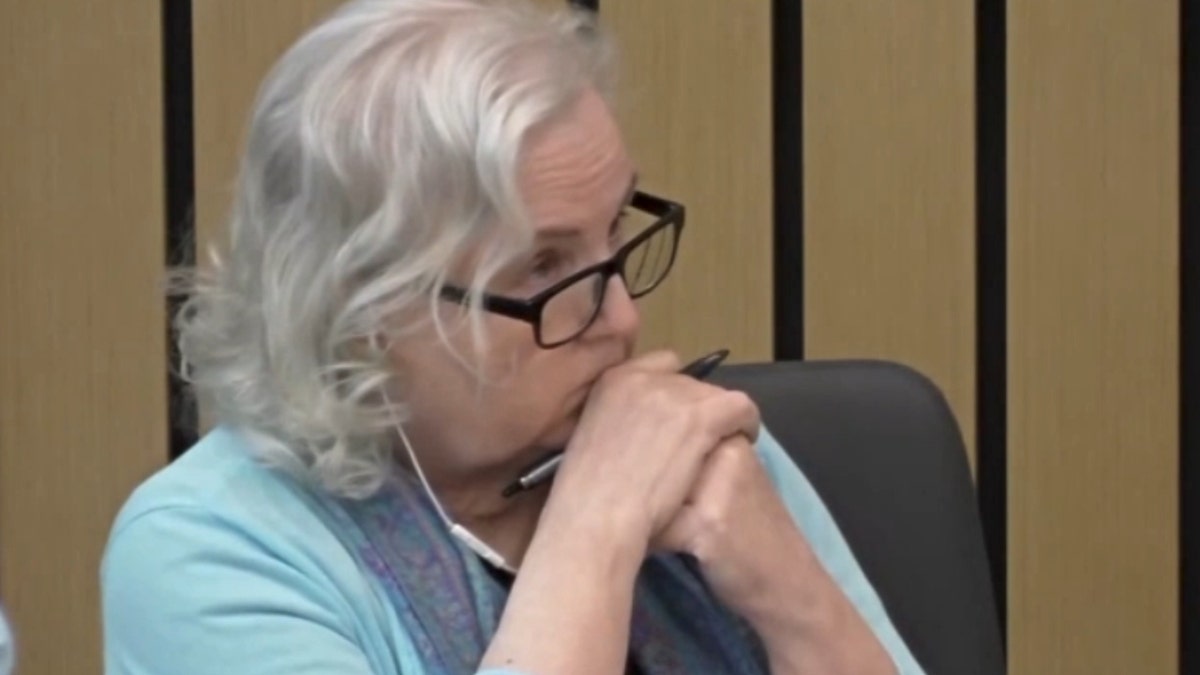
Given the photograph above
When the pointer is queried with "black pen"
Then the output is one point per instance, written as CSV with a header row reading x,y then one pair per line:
x,y
544,469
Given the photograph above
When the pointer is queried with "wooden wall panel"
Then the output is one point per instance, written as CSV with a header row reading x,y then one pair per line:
x,y
698,121
889,219
695,103
1093,298
82,326
234,44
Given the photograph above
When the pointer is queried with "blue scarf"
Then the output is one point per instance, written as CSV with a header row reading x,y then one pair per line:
x,y
450,605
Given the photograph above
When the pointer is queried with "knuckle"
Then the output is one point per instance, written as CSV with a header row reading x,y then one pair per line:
x,y
733,457
673,361
660,399
657,360
732,451
712,520
619,380
742,401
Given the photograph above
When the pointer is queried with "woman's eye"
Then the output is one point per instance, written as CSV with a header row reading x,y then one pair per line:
x,y
546,265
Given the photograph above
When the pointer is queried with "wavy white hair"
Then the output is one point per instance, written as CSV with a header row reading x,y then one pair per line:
x,y
382,147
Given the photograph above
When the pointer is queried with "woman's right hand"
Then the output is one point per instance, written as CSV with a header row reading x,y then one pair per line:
x,y
640,444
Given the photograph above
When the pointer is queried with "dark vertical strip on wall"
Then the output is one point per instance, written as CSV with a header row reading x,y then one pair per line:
x,y
787,85
991,200
1189,338
180,170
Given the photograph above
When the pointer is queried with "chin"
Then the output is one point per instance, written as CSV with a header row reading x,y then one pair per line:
x,y
560,434
557,435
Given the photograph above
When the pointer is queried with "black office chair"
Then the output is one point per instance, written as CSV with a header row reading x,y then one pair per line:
x,y
881,446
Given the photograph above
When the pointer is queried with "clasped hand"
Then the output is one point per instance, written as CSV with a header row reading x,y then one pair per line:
x,y
671,461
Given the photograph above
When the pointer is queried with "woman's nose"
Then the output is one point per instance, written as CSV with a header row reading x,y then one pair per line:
x,y
619,314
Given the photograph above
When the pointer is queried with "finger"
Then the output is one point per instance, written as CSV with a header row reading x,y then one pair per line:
x,y
724,473
712,494
658,361
727,413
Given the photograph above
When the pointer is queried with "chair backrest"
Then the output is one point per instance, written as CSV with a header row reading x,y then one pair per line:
x,y
881,446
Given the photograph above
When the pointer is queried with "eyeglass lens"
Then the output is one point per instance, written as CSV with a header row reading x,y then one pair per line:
x,y
573,309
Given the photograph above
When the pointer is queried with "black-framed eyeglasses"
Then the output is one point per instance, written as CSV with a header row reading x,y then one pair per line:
x,y
566,309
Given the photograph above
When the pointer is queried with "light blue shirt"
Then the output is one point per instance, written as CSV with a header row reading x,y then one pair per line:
x,y
217,566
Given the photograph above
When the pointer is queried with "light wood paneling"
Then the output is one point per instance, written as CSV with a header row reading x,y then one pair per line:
x,y
234,44
889,222
695,103
1093,195
82,326
697,121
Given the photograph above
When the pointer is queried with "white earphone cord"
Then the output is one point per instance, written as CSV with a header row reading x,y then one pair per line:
x,y
457,531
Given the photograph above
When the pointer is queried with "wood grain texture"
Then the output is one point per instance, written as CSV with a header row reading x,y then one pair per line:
x,y
695,104
234,45
889,219
1093,325
82,325
697,121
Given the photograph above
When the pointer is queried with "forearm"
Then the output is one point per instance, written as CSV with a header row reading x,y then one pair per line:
x,y
815,630
570,606
843,646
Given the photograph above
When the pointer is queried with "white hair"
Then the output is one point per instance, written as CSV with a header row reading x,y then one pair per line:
x,y
382,146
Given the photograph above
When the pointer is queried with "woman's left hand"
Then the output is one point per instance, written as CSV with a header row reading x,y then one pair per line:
x,y
759,564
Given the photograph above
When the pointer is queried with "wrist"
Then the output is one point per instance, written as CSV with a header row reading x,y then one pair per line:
x,y
816,629
798,615
793,597
615,544
570,605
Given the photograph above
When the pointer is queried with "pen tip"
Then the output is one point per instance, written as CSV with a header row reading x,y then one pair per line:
x,y
512,489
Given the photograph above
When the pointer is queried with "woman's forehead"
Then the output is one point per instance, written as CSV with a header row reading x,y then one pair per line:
x,y
576,167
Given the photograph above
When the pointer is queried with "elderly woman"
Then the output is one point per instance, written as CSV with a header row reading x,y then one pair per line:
x,y
436,242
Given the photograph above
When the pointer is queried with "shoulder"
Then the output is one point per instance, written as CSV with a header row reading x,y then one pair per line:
x,y
215,500
216,544
218,475
215,496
